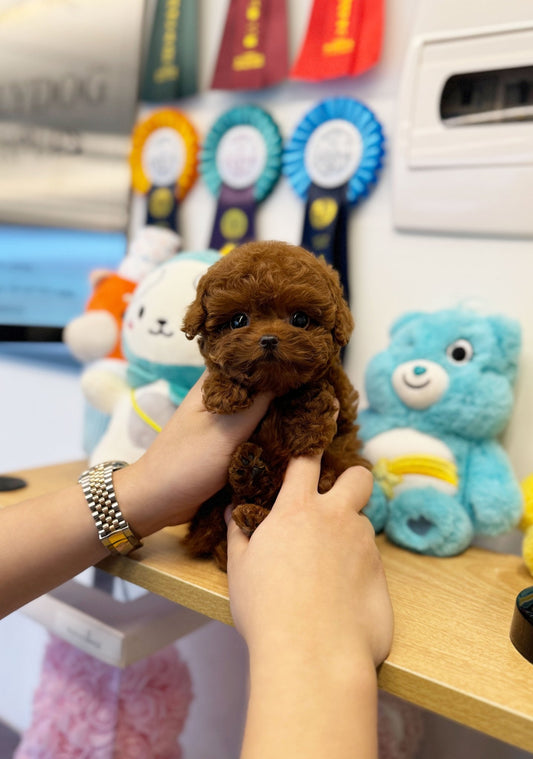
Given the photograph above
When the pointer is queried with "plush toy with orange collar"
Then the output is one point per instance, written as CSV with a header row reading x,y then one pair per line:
x,y
95,333
140,394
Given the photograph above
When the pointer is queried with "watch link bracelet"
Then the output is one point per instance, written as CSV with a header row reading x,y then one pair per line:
x,y
113,530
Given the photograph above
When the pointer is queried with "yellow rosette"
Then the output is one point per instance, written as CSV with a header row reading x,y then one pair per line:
x,y
164,147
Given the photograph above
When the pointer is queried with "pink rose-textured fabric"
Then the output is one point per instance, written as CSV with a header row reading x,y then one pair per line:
x,y
85,709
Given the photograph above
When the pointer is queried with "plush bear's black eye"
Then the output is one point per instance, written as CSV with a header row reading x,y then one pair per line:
x,y
141,312
239,320
460,351
299,319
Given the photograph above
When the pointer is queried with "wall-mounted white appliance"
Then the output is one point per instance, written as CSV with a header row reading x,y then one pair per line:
x,y
463,160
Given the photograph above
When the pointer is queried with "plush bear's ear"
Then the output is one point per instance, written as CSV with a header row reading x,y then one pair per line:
x,y
508,334
404,319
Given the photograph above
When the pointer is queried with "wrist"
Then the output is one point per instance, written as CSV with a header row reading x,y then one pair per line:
x,y
134,499
335,666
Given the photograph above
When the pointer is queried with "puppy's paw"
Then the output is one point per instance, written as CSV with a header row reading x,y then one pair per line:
x,y
222,396
327,480
311,436
251,478
220,555
248,516
310,420
246,466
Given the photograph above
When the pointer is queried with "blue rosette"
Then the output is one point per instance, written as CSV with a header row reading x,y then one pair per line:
x,y
332,160
372,146
246,115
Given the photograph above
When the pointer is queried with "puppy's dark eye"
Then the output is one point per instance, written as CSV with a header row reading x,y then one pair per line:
x,y
299,319
239,320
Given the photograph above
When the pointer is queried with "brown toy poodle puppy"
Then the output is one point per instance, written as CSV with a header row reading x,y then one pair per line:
x,y
271,316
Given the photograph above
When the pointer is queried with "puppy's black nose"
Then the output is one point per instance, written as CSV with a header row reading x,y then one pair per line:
x,y
268,342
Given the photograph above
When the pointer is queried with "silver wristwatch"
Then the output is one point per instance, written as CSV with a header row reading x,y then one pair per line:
x,y
113,530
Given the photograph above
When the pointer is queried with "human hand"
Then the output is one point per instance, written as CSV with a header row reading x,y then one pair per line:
x,y
186,464
310,578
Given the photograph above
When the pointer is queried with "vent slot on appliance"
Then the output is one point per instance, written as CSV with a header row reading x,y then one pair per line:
x,y
485,97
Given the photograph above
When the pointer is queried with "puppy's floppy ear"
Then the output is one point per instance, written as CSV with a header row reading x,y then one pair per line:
x,y
344,323
196,314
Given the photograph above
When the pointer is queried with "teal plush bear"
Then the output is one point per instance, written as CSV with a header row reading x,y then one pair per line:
x,y
439,396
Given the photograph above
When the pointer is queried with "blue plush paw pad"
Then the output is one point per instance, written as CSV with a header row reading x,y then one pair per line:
x,y
420,526
428,521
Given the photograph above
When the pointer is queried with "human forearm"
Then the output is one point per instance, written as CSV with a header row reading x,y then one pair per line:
x,y
309,595
48,540
311,706
45,541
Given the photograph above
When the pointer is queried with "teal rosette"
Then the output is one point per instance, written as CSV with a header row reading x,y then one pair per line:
x,y
372,146
252,116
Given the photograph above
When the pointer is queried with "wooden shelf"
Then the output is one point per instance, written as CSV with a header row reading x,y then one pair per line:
x,y
451,652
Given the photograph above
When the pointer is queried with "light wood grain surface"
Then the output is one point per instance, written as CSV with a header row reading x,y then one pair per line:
x,y
451,652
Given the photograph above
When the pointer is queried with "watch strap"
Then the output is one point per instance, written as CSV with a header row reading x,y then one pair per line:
x,y
113,530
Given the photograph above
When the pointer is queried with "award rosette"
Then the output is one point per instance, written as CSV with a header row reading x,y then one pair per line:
x,y
163,162
332,160
240,163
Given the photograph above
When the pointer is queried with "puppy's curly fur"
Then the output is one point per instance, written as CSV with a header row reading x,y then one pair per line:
x,y
271,316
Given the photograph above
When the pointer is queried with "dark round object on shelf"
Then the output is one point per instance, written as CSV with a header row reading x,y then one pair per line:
x,y
522,624
11,483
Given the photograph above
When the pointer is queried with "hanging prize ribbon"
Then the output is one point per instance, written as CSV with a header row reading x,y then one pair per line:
x,y
253,53
163,164
343,38
241,163
172,67
331,161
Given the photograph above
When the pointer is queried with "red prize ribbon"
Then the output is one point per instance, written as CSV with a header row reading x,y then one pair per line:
x,y
343,38
253,52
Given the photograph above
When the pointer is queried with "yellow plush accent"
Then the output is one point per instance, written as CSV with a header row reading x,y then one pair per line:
x,y
144,416
527,491
527,549
390,472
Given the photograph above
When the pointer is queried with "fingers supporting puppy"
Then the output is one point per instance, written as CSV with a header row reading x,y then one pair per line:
x,y
355,485
301,478
237,540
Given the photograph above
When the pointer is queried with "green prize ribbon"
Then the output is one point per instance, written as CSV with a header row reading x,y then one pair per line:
x,y
171,70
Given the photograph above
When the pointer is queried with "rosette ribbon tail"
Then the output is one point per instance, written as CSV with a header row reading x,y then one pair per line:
x,y
234,221
325,228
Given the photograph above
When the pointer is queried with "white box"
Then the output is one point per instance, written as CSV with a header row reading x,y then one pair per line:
x,y
115,632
